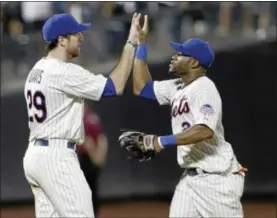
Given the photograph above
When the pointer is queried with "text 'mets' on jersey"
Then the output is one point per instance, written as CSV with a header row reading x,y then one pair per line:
x,y
197,103
55,93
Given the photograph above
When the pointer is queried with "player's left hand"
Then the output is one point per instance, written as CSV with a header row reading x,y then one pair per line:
x,y
139,145
143,32
133,35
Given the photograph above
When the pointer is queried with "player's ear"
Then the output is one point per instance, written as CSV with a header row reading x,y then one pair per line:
x,y
62,41
194,63
81,36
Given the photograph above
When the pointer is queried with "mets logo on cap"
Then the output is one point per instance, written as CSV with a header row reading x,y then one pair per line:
x,y
207,109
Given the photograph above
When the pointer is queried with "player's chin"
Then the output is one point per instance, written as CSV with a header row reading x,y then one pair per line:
x,y
76,54
173,72
170,72
171,69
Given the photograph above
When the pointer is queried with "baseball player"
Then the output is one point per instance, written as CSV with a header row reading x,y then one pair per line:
x,y
55,90
213,180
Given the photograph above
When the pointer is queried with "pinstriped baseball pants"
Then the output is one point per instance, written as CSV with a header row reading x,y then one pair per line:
x,y
57,182
208,195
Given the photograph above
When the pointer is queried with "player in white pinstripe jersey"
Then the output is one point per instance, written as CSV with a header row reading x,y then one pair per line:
x,y
55,91
213,179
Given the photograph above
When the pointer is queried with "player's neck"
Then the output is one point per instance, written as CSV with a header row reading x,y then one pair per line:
x,y
57,54
191,77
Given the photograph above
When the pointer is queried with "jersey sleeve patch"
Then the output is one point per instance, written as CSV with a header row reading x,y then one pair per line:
x,y
207,109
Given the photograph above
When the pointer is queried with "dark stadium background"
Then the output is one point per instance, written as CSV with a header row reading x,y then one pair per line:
x,y
244,72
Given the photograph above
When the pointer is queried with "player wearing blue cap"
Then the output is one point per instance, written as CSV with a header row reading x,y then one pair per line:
x,y
213,180
55,90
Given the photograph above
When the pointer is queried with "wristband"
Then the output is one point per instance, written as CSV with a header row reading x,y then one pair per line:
x,y
167,141
141,52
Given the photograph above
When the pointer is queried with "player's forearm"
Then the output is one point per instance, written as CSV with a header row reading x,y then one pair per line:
x,y
191,135
122,71
141,75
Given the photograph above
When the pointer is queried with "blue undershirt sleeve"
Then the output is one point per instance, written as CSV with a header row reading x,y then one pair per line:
x,y
148,91
109,89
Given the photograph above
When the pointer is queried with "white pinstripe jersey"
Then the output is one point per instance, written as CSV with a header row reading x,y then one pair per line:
x,y
197,103
55,93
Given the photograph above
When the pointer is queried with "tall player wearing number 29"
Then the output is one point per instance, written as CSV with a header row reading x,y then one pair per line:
x,y
213,179
55,91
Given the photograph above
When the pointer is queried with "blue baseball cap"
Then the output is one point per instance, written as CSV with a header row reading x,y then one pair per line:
x,y
197,49
60,25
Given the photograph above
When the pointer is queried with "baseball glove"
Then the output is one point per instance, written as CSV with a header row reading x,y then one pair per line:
x,y
138,145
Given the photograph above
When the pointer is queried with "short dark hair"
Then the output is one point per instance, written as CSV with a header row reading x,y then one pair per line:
x,y
52,45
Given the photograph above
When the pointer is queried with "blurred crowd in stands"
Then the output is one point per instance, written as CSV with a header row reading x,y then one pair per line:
x,y
255,17
21,22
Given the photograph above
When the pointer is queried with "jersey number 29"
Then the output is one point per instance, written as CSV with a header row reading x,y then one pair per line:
x,y
36,100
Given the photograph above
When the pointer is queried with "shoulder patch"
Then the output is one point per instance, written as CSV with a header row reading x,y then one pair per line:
x,y
207,109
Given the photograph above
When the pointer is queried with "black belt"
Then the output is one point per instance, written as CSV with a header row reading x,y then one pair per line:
x,y
198,171
45,142
194,172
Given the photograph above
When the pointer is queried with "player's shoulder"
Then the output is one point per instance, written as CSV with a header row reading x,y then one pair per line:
x,y
206,83
74,66
72,69
58,66
50,65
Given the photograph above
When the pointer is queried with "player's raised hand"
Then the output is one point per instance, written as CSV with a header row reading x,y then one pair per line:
x,y
143,32
133,35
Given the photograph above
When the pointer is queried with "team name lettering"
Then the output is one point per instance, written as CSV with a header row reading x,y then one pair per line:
x,y
36,76
180,108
